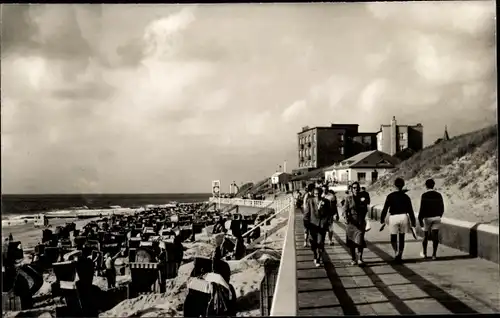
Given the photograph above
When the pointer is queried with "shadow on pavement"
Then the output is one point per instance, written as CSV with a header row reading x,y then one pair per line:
x,y
346,302
400,306
453,304
422,260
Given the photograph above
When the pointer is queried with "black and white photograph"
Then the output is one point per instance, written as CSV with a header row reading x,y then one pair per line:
x,y
249,159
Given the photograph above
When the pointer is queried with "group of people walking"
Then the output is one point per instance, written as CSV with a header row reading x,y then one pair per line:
x,y
320,210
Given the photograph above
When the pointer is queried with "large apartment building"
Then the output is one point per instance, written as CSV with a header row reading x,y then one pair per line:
x,y
323,146
394,138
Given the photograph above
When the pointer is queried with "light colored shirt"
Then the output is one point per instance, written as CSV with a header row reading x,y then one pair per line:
x,y
108,262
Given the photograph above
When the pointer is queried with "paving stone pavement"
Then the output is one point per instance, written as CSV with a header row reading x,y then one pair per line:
x,y
452,284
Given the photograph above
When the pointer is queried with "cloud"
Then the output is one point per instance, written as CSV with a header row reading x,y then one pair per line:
x,y
129,98
294,111
372,95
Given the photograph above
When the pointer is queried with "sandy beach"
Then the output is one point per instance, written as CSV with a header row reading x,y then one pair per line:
x,y
30,236
246,275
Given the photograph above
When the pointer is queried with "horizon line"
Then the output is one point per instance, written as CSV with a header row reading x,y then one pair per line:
x,y
110,193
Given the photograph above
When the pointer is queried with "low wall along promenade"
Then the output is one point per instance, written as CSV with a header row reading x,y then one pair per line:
x,y
479,240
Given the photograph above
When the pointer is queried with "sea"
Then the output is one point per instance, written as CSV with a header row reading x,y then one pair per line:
x,y
18,205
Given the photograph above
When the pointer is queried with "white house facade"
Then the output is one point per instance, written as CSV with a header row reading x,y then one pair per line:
x,y
365,167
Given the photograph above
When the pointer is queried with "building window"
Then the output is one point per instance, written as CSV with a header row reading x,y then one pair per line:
x,y
401,147
361,177
341,150
341,137
314,163
402,136
314,137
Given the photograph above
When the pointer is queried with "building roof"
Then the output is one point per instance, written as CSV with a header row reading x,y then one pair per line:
x,y
368,159
309,175
279,173
332,126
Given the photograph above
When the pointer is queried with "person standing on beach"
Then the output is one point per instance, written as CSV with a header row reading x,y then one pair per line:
x,y
110,272
398,205
317,208
162,272
355,211
429,216
306,213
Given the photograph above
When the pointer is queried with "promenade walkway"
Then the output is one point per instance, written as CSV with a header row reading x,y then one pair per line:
x,y
453,284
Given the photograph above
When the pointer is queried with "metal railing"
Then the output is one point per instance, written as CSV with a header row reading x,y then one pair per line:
x,y
243,202
285,294
279,206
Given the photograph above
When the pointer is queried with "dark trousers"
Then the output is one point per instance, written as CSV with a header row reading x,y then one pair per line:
x,y
111,277
317,239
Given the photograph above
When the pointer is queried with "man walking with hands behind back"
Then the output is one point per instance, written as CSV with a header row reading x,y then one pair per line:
x,y
398,205
429,217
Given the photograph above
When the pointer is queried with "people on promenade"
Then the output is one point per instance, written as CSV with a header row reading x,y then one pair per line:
x,y
355,211
317,208
298,199
334,213
429,217
398,205
306,213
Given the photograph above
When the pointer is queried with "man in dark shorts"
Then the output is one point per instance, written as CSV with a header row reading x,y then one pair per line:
x,y
429,217
307,213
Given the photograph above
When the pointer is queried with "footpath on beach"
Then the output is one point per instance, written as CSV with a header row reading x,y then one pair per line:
x,y
455,283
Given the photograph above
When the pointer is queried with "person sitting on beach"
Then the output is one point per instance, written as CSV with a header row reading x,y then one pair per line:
x,y
220,226
236,226
429,216
355,211
218,241
240,249
398,205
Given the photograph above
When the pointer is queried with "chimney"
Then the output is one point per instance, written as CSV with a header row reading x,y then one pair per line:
x,y
394,136
284,166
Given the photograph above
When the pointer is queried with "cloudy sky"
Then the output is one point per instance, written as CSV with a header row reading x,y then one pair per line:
x,y
153,99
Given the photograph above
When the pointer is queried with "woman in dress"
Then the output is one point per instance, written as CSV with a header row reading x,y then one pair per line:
x,y
355,211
